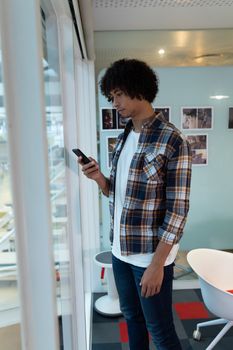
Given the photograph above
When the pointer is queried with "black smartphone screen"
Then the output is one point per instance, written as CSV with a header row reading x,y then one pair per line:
x,y
79,153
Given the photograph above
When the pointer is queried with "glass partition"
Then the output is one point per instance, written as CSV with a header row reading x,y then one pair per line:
x,y
57,174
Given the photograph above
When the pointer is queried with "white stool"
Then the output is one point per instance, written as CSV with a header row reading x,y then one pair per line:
x,y
108,304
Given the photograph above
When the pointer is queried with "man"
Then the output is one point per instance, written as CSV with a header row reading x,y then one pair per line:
x,y
148,191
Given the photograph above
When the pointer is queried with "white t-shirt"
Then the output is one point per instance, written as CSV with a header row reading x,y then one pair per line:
x,y
123,165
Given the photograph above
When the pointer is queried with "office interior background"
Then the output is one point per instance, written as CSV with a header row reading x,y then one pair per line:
x,y
53,220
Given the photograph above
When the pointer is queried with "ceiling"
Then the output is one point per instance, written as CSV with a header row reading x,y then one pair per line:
x,y
191,32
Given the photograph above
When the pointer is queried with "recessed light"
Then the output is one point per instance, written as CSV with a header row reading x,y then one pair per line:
x,y
219,97
161,52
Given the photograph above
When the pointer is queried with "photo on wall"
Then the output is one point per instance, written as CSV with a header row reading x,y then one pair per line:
x,y
108,119
165,111
111,142
193,118
199,146
230,122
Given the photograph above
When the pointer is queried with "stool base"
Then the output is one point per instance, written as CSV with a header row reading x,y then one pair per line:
x,y
108,306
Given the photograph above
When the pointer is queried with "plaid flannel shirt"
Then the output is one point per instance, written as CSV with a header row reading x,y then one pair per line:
x,y
158,186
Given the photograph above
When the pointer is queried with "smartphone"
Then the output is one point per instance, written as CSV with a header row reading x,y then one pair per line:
x,y
79,153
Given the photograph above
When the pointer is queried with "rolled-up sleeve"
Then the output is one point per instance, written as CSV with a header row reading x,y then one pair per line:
x,y
177,192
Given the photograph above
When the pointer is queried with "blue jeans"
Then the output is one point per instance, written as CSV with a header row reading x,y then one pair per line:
x,y
153,314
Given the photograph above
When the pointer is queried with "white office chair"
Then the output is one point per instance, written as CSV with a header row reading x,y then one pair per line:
x,y
215,272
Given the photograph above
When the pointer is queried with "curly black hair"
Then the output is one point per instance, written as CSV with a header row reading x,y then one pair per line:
x,y
135,78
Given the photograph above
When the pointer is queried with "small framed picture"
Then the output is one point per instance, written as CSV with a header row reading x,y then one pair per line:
x,y
121,121
165,111
111,142
193,118
108,119
199,146
230,122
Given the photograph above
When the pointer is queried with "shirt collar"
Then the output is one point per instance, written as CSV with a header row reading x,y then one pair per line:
x,y
153,122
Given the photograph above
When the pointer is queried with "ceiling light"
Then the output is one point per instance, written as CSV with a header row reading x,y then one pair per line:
x,y
161,52
219,97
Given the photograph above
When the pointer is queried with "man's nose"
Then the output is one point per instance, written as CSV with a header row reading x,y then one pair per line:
x,y
115,102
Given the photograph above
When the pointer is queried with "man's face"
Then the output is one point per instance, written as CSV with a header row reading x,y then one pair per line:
x,y
125,105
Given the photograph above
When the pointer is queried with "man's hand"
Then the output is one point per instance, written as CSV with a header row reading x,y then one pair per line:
x,y
152,278
151,281
91,170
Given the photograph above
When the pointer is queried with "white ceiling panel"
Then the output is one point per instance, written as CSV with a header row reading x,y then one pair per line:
x,y
162,14
181,48
160,3
191,32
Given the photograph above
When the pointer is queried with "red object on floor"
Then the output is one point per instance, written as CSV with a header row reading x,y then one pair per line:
x,y
192,310
230,291
123,332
